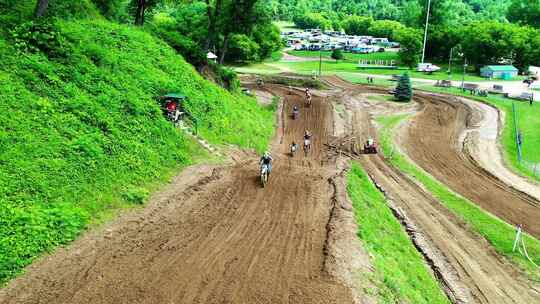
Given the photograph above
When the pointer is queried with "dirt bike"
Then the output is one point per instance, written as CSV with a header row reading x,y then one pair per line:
x,y
294,148
307,145
264,175
308,101
295,114
174,116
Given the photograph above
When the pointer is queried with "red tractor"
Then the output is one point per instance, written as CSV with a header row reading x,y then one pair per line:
x,y
370,147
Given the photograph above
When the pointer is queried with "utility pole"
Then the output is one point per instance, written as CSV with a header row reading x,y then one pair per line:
x,y
463,78
450,64
425,31
320,62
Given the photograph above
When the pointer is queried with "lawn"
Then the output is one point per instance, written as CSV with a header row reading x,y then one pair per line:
x,y
400,271
499,234
348,56
351,61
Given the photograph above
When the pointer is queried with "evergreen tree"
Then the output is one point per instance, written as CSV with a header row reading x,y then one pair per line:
x,y
337,54
403,90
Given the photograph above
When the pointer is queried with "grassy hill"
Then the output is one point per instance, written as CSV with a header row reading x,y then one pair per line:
x,y
81,133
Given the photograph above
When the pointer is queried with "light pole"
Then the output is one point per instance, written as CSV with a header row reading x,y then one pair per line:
x,y
463,78
450,64
425,31
320,62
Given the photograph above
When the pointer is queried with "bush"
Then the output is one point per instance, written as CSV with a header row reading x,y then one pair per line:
x,y
136,195
337,54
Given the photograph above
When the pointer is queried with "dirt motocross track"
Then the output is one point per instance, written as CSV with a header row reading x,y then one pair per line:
x,y
468,268
218,237
433,143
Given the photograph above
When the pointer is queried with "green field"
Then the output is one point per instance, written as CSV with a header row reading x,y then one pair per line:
x,y
349,56
400,272
499,234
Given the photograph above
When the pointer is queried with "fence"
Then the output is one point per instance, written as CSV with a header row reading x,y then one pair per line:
x,y
532,166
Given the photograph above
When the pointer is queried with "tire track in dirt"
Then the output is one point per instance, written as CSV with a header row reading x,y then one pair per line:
x,y
217,238
467,266
433,142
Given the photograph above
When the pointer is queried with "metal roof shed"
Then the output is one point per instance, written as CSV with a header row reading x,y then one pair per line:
x,y
499,71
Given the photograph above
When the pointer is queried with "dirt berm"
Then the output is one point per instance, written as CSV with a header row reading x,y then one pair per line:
x,y
216,236
433,142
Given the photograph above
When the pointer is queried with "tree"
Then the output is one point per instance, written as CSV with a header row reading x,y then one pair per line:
x,y
141,7
213,16
385,28
337,54
403,90
111,9
526,12
410,41
41,8
242,48
356,25
312,20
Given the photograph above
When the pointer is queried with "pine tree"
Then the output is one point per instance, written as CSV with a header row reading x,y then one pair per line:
x,y
403,90
337,54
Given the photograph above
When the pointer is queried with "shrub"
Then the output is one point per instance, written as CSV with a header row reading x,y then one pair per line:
x,y
337,54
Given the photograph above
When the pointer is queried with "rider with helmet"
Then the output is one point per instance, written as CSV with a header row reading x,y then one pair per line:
x,y
307,139
295,111
294,147
267,159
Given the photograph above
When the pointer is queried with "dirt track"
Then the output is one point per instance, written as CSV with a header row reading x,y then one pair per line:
x,y
217,237
433,143
467,266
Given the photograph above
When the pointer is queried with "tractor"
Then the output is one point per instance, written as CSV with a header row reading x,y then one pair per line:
x,y
370,147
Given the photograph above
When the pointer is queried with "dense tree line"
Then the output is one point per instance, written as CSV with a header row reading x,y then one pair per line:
x,y
236,30
408,12
483,31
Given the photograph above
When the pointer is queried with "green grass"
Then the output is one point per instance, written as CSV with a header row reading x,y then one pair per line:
x,y
528,123
349,56
330,67
361,79
81,134
499,234
400,271
351,61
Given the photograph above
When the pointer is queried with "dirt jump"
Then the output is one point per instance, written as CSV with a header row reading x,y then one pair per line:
x,y
214,236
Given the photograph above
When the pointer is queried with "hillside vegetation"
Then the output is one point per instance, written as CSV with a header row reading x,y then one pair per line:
x,y
81,132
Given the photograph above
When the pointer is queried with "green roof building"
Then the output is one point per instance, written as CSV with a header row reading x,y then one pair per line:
x,y
499,71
